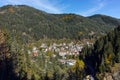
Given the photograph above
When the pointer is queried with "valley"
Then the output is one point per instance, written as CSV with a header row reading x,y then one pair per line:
x,y
36,45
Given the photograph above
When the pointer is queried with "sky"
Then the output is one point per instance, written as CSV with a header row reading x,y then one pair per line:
x,y
80,7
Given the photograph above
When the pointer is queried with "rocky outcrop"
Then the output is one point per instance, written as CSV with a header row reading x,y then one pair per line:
x,y
116,75
108,77
112,76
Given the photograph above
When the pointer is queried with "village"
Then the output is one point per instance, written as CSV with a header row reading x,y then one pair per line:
x,y
66,53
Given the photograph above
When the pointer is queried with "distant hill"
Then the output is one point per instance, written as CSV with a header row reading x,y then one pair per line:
x,y
33,24
103,19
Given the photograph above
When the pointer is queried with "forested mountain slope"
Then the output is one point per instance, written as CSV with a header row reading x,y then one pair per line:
x,y
103,19
105,53
26,23
30,23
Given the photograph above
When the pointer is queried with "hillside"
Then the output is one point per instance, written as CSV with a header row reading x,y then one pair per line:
x,y
17,64
32,24
6,67
56,61
105,54
103,19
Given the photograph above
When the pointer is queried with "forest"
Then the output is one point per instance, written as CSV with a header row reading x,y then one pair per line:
x,y
22,57
32,24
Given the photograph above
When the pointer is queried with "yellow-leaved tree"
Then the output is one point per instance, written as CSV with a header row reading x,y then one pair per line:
x,y
77,71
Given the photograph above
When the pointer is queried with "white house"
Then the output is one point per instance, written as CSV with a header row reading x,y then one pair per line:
x,y
70,62
62,53
35,51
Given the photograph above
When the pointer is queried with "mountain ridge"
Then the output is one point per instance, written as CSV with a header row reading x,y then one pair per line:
x,y
39,24
25,23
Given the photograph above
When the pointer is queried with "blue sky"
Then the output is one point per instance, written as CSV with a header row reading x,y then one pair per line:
x,y
81,7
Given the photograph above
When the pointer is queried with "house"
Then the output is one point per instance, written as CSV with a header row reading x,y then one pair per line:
x,y
43,45
45,50
76,52
70,44
64,44
29,52
62,61
35,51
70,62
57,50
89,77
53,55
62,53
35,54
